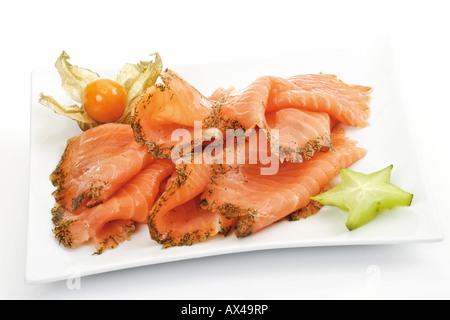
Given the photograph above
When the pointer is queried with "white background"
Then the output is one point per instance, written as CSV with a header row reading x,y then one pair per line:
x,y
101,34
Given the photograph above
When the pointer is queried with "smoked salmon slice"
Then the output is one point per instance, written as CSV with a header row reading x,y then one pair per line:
x,y
112,234
163,108
260,200
219,93
325,93
129,204
97,163
176,219
177,105
312,92
309,210
301,133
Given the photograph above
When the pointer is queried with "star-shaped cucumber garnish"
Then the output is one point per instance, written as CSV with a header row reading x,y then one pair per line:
x,y
364,195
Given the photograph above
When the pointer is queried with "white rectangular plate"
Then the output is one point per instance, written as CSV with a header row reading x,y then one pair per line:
x,y
388,139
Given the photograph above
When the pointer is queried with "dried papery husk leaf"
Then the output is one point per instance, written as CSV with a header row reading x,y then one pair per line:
x,y
129,73
73,78
136,78
74,112
85,126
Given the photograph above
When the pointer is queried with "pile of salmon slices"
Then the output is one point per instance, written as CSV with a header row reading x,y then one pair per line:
x,y
114,176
